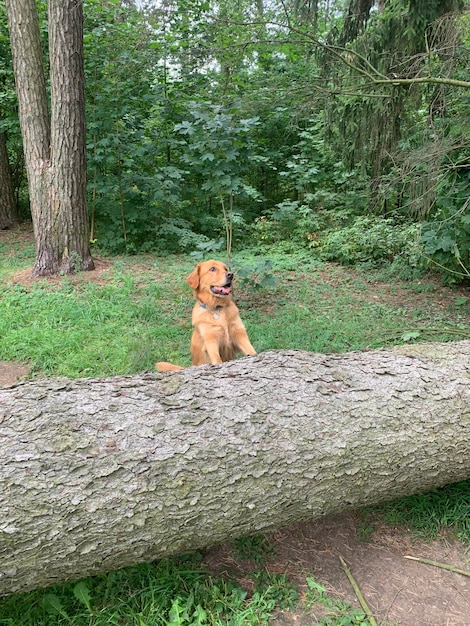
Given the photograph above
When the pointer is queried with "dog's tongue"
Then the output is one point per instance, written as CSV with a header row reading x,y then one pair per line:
x,y
223,291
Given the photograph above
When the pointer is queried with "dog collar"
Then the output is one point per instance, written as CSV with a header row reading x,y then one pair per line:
x,y
215,310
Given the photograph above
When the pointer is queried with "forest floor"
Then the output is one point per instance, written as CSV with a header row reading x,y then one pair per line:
x,y
398,591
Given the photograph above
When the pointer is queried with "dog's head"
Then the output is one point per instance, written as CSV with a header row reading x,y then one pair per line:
x,y
211,282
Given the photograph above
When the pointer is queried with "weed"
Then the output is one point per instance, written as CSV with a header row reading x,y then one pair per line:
x,y
275,589
339,613
258,275
255,548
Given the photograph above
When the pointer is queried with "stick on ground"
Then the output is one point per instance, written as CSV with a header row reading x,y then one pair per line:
x,y
358,593
451,568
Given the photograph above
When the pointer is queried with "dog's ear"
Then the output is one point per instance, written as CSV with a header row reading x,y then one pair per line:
x,y
193,278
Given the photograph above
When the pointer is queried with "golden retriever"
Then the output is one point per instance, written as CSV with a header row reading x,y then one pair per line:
x,y
218,332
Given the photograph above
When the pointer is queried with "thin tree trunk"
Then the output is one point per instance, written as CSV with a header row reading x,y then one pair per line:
x,y
8,217
99,474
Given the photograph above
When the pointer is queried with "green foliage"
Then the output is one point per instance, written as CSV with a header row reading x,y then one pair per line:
x,y
206,123
446,240
121,158
374,241
255,275
255,548
429,514
338,613
218,149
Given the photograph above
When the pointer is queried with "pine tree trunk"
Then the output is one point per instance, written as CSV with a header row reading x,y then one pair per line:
x,y
54,146
8,217
32,99
99,474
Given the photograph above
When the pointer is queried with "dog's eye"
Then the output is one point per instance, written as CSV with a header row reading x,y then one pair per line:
x,y
213,269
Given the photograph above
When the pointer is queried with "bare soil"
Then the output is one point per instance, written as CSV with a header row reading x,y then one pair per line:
x,y
12,372
398,591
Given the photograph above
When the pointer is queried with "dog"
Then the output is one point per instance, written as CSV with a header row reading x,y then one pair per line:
x,y
219,333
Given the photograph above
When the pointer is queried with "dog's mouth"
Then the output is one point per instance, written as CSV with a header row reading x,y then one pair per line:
x,y
221,291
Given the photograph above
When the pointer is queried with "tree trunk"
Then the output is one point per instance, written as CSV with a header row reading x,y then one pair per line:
x,y
100,474
8,217
54,146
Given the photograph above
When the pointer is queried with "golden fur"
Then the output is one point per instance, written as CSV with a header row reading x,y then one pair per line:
x,y
218,332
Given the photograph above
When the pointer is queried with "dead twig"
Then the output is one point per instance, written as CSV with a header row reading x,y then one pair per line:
x,y
451,568
358,593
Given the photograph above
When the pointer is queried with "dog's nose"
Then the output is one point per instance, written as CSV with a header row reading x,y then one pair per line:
x,y
229,275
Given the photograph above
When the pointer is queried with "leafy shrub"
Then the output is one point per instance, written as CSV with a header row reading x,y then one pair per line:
x,y
447,243
373,240
256,275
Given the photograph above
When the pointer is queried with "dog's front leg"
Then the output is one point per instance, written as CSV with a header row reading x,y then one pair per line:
x,y
242,341
205,346
212,342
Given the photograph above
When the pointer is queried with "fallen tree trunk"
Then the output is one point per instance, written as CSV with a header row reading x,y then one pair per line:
x,y
99,474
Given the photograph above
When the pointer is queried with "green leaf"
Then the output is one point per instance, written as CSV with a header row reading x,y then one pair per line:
x,y
52,604
82,593
314,586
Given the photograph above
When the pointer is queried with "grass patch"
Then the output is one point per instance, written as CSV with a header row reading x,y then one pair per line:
x,y
429,514
141,314
255,548
172,592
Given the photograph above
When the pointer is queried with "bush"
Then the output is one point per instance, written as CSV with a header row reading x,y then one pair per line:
x,y
375,241
446,241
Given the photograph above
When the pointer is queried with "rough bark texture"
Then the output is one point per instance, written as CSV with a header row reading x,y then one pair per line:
x,y
8,217
99,474
54,145
30,82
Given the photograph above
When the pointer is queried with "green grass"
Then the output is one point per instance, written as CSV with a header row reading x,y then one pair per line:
x,y
90,330
429,514
172,592
139,313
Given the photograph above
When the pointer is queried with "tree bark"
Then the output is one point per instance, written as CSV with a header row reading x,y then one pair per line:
x,y
8,217
54,144
100,474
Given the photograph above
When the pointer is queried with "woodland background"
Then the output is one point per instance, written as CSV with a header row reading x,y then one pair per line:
x,y
339,126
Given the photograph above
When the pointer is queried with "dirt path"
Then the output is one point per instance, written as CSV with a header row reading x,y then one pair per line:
x,y
398,591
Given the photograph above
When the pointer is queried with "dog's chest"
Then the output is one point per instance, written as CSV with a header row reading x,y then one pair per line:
x,y
227,324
